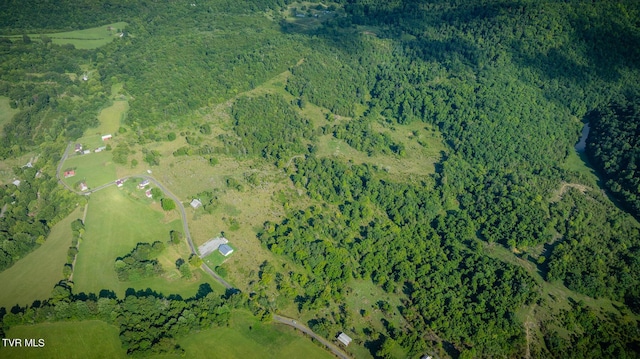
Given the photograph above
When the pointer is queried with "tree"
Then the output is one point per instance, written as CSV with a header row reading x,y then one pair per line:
x,y
175,237
168,204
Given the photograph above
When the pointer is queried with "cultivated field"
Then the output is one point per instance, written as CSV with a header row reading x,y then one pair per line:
x,y
95,169
64,340
33,277
91,38
115,223
247,337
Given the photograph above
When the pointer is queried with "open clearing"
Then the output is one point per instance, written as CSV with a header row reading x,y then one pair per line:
x,y
63,340
95,169
115,223
110,118
33,277
6,112
247,337
91,38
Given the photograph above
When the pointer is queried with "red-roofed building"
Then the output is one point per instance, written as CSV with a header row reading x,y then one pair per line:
x,y
69,173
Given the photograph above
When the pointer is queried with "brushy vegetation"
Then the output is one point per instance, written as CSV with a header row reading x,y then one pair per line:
x,y
506,85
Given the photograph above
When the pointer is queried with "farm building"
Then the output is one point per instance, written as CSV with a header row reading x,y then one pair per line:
x,y
100,149
106,137
86,152
69,173
211,245
344,339
225,249
196,203
143,184
148,194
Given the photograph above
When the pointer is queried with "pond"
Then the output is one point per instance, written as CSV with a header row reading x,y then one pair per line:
x,y
582,144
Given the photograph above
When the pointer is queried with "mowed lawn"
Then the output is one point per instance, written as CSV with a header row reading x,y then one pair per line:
x,y
247,337
91,38
115,223
95,169
33,277
63,340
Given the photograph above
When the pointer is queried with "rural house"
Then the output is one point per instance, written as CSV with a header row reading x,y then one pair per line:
x,y
83,187
143,184
69,173
78,148
120,182
225,249
148,194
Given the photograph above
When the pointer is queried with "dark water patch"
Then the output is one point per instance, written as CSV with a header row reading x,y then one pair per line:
x,y
582,144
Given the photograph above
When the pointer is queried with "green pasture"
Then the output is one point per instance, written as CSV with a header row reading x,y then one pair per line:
x,y
110,118
64,340
247,337
115,223
33,277
578,162
6,112
91,38
95,169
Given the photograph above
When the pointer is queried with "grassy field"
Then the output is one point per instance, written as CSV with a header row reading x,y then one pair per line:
x,y
33,277
423,150
91,38
94,168
110,117
115,223
246,337
6,112
85,339
216,258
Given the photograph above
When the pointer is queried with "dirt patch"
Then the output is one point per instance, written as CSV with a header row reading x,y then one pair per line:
x,y
557,196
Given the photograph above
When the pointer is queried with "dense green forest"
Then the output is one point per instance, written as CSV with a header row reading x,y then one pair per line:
x,y
507,84
614,147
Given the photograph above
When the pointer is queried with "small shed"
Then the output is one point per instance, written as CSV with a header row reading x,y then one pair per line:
x,y
106,137
225,249
196,203
16,183
344,339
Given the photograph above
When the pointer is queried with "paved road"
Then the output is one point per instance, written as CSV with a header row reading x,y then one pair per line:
x,y
215,275
291,322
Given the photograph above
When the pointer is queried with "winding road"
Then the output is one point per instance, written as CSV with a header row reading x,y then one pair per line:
x,y
291,322
280,319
